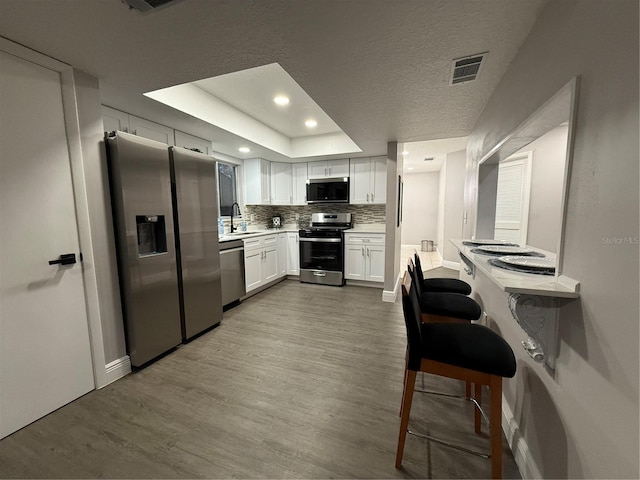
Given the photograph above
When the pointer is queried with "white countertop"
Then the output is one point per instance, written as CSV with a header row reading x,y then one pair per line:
x,y
516,282
367,228
256,233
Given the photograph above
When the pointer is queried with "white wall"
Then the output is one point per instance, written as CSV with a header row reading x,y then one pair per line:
x,y
580,421
101,222
453,204
392,229
420,207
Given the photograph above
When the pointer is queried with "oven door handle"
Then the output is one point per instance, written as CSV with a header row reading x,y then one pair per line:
x,y
321,240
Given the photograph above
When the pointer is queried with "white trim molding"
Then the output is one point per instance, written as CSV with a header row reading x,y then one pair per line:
x,y
116,370
391,296
451,265
518,445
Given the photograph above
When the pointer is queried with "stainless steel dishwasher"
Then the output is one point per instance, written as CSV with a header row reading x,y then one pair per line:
x,y
232,271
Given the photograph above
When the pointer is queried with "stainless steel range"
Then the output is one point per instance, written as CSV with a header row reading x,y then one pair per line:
x,y
322,249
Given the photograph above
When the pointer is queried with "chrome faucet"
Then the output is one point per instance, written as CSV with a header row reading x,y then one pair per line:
x,y
232,228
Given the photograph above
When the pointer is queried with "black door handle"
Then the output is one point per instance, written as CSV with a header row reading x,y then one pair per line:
x,y
65,259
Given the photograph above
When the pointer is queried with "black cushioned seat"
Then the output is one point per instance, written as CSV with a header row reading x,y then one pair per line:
x,y
468,345
453,305
451,285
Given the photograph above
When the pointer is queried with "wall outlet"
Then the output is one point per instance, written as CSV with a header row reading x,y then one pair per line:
x,y
252,217
297,216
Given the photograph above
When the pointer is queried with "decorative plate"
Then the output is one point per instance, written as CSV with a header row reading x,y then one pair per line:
x,y
488,242
506,249
534,263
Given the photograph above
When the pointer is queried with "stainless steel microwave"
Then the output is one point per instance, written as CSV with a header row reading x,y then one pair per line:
x,y
328,190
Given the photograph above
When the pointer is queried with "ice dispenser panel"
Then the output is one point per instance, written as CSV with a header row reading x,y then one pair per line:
x,y
152,235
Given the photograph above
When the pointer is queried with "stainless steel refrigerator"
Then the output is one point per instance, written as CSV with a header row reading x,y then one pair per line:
x,y
165,215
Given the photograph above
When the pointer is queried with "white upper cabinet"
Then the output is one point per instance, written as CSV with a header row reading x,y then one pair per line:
x,y
329,168
113,119
368,181
275,183
299,183
257,182
151,130
281,193
189,141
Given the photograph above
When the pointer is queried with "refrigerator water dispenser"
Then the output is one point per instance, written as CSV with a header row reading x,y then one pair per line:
x,y
152,235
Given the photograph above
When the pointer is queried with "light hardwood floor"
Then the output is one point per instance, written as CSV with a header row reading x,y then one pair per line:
x,y
299,381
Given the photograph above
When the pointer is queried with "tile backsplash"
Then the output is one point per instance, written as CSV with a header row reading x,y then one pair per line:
x,y
362,214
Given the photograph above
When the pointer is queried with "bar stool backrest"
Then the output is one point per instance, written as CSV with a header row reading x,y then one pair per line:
x,y
413,321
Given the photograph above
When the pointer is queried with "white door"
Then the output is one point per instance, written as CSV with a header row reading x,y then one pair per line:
x,y
293,254
45,358
299,183
375,263
354,262
253,268
512,198
379,180
280,183
360,181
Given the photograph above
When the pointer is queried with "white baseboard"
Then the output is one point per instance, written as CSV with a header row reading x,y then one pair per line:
x,y
390,296
519,448
117,369
451,265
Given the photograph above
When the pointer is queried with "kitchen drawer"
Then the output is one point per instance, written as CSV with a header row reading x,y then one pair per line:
x,y
270,240
364,238
251,243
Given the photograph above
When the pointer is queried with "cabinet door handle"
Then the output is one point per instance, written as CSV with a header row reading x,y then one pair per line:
x,y
367,198
372,197
368,253
363,251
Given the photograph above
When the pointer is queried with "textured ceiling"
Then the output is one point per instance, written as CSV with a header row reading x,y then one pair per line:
x,y
378,68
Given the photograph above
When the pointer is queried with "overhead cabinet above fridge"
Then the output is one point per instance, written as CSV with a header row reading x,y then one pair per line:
x,y
165,211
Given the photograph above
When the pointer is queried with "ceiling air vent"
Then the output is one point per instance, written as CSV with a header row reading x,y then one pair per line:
x,y
429,159
467,68
145,6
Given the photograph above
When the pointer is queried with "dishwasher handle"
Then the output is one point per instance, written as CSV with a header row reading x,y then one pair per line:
x,y
231,250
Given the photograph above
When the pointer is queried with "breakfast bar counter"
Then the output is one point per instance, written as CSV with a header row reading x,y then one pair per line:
x,y
516,282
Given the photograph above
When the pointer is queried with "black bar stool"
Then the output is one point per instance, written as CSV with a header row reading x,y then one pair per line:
x,y
450,285
463,351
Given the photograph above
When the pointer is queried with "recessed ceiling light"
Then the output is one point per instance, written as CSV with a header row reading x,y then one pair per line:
x,y
405,153
410,168
311,123
281,100
244,149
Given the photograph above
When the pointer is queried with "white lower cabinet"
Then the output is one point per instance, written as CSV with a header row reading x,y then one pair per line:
x,y
282,254
260,261
293,253
364,256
